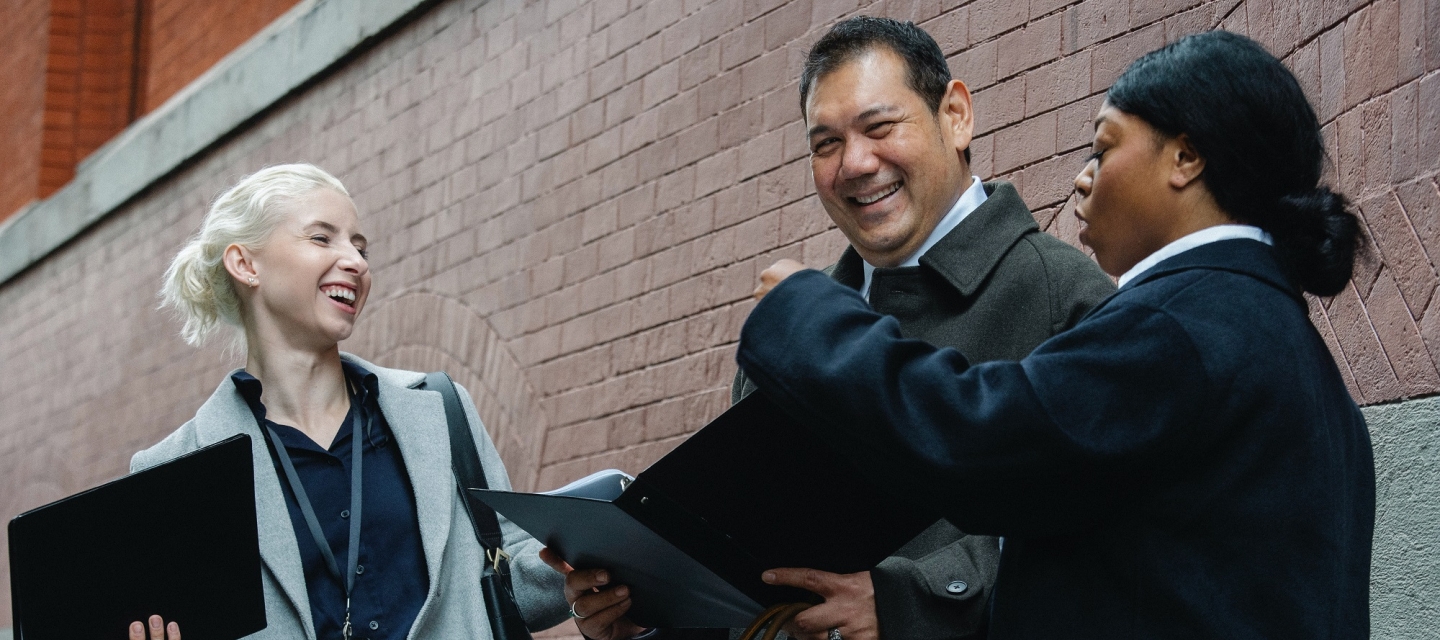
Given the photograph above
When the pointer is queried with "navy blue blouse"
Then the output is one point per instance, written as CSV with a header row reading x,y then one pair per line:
x,y
391,580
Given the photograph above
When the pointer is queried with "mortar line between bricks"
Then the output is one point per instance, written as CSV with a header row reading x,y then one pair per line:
x,y
623,449
1343,360
722,305
1379,96
622,230
648,365
1410,225
618,267
634,408
1365,311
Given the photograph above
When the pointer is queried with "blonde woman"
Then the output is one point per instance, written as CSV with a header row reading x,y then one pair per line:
x,y
281,259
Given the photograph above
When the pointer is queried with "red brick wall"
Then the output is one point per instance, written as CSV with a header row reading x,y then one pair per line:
x,y
71,80
25,32
88,83
570,202
187,38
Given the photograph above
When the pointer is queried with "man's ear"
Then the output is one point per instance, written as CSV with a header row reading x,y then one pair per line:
x,y
957,115
240,263
1187,162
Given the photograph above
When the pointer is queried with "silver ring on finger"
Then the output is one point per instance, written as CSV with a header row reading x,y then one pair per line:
x,y
834,635
576,614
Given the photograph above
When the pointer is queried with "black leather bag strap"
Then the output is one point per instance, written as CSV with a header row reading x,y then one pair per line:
x,y
506,621
465,460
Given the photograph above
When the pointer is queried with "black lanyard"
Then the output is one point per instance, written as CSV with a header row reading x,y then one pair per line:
x,y
357,444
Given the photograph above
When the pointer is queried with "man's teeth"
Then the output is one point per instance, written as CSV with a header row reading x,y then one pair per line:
x,y
870,199
340,293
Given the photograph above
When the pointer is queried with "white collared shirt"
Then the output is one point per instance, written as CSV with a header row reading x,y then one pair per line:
x,y
1199,238
973,197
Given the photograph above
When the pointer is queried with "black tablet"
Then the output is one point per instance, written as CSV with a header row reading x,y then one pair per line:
x,y
177,540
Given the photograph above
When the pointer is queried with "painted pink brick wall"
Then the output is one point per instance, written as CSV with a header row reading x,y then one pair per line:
x,y
571,202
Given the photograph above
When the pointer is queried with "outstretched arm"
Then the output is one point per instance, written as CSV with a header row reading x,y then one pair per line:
x,y
1006,448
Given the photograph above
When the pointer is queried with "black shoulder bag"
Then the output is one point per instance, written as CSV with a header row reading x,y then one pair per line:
x,y
506,623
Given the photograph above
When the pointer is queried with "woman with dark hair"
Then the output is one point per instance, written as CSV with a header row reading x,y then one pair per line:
x,y
1184,462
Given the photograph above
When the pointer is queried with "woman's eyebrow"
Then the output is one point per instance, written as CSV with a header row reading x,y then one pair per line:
x,y
324,225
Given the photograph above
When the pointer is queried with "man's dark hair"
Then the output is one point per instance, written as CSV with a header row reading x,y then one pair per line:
x,y
928,75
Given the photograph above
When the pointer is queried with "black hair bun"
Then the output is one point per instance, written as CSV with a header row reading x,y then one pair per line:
x,y
1320,239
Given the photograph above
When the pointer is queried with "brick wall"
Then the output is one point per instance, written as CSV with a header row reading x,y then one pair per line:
x,y
187,38
570,202
74,75
22,100
89,77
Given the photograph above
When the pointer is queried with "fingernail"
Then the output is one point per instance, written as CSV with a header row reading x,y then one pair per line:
x,y
136,627
621,592
768,576
602,577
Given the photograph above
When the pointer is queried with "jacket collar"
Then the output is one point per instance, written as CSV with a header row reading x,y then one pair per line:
x,y
966,255
417,420
1245,257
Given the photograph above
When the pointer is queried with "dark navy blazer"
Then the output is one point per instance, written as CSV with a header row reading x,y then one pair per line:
x,y
1185,462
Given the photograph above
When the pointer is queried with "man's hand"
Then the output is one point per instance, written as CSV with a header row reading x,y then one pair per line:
x,y
777,272
600,614
849,603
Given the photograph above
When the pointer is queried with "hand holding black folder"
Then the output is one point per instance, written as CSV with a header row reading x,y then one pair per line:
x,y
692,534
89,565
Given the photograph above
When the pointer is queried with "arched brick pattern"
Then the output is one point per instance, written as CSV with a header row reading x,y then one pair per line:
x,y
424,331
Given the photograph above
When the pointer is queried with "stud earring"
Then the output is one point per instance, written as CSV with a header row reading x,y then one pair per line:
x,y
251,281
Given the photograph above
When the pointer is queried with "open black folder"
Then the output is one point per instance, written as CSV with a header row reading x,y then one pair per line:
x,y
753,490
178,540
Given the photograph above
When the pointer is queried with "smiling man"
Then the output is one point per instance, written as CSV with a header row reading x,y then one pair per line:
x,y
959,263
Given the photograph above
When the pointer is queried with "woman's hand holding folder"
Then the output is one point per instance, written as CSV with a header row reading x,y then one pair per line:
x,y
158,630
599,612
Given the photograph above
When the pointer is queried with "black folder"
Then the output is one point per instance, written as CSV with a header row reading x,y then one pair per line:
x,y
690,536
178,540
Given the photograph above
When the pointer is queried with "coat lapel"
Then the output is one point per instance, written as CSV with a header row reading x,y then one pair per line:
x,y
417,419
967,255
223,415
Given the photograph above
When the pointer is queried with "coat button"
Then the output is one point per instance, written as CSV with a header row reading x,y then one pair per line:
x,y
345,513
957,587
359,569
374,625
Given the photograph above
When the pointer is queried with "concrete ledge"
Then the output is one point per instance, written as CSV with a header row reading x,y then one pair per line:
x,y
297,48
1405,567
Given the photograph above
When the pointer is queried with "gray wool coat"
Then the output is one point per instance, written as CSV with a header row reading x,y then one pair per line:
x,y
994,288
453,605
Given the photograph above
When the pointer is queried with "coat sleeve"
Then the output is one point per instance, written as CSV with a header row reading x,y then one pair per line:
x,y
940,595
539,590
1037,447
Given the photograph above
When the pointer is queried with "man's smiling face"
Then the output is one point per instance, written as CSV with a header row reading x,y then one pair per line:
x,y
886,166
